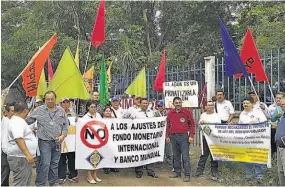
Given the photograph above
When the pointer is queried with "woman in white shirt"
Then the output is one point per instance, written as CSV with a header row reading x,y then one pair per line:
x,y
251,116
92,114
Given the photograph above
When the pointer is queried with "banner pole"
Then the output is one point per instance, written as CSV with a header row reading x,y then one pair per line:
x,y
86,62
253,87
16,79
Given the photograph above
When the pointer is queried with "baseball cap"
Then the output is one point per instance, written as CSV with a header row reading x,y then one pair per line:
x,y
39,100
64,99
160,103
115,98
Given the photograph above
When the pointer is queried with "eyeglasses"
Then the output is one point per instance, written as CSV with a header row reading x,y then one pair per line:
x,y
92,106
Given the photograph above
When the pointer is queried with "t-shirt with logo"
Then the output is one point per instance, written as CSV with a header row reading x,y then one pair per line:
x,y
18,128
225,109
255,116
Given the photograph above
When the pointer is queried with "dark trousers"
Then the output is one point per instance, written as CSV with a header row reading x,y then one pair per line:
x,y
203,160
273,144
5,170
180,146
149,169
70,157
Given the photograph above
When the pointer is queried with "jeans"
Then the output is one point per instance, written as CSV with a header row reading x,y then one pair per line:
x,y
5,170
180,146
257,168
203,160
70,157
48,165
281,165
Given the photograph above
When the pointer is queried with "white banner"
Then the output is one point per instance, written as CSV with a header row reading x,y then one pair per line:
x,y
119,143
239,143
186,90
68,144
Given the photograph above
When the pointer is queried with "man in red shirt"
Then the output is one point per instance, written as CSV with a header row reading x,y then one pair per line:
x,y
180,122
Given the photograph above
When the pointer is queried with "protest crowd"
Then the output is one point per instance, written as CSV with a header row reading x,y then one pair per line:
x,y
25,132
36,134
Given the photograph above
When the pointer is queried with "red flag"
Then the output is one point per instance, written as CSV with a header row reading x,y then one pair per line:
x,y
98,35
33,70
160,78
50,71
203,96
250,58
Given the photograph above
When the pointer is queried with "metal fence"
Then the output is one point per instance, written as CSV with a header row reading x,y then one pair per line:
x,y
235,89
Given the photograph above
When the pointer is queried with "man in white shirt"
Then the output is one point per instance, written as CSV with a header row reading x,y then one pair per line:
x,y
144,112
117,111
258,104
22,146
224,107
210,116
5,169
130,111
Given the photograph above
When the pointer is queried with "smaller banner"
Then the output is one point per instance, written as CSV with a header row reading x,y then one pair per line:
x,y
239,143
68,144
119,143
186,90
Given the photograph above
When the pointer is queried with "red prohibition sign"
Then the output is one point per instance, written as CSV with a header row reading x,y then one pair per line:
x,y
89,126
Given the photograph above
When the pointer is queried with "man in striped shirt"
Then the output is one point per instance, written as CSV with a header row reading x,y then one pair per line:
x,y
52,129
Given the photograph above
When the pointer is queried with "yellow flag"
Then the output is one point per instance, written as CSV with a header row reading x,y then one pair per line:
x,y
77,55
67,80
138,86
42,86
109,73
89,78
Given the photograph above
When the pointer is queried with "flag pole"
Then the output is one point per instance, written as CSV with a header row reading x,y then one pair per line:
x,y
271,93
253,88
16,79
86,62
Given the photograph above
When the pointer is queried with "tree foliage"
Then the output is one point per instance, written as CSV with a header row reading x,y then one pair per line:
x,y
136,31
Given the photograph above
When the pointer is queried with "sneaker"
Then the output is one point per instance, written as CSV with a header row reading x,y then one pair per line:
x,y
186,179
74,179
61,181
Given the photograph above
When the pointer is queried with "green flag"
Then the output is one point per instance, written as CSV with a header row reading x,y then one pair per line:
x,y
104,94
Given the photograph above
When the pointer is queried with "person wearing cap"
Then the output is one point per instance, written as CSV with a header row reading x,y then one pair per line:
x,y
117,111
224,108
159,113
140,113
70,156
258,104
179,123
39,102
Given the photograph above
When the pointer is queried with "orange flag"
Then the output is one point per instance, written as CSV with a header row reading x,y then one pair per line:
x,y
88,79
32,72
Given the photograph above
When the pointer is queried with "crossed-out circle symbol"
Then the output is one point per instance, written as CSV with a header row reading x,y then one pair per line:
x,y
89,126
